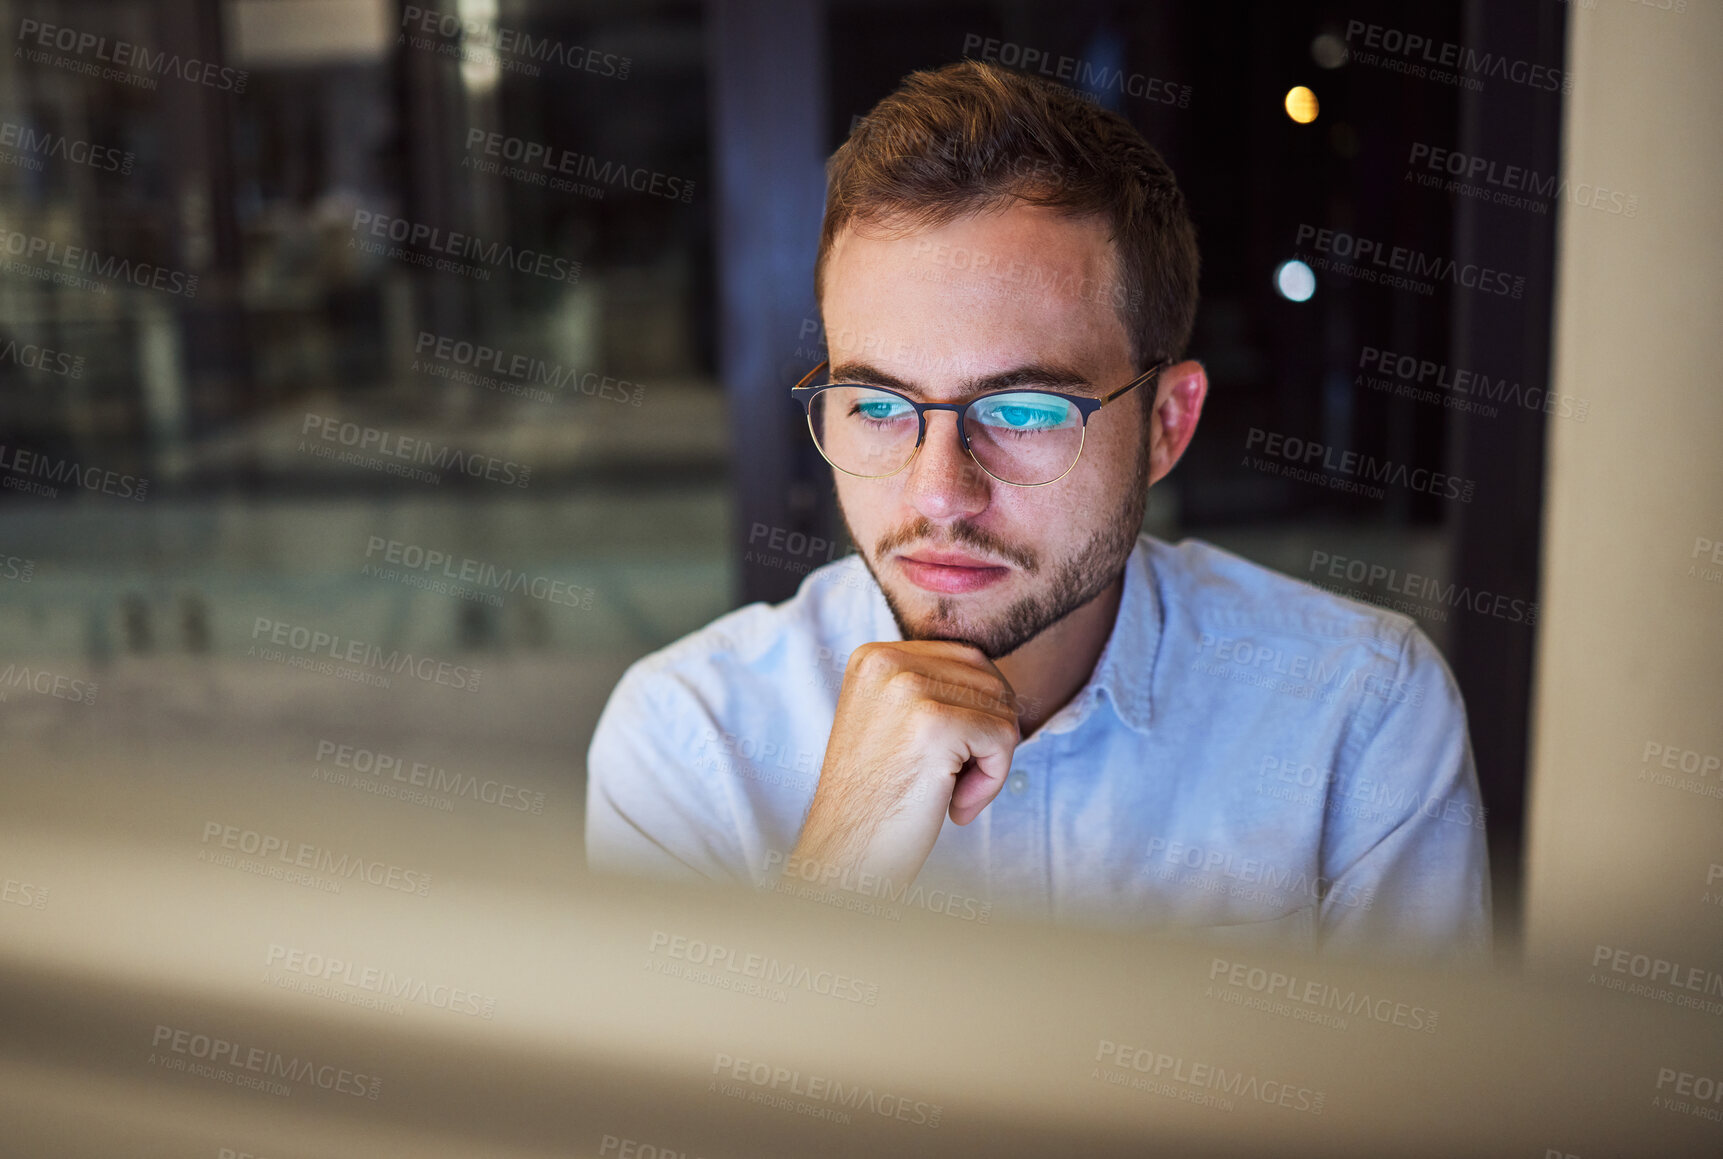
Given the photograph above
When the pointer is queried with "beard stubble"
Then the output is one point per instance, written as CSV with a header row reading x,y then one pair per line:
x,y
1072,582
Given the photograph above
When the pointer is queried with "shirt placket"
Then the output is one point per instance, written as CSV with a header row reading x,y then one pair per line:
x,y
1018,873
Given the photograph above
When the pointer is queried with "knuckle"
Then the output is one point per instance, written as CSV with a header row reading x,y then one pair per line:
x,y
907,683
926,716
874,662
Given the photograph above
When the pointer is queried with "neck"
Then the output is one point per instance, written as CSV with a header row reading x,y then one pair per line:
x,y
1053,667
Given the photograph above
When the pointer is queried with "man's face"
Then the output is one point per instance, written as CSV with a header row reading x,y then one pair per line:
x,y
958,554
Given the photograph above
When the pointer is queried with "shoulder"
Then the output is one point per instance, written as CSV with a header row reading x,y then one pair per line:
x,y
1205,585
1228,616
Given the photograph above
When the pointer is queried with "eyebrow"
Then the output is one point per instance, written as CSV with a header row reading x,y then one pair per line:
x,y
1040,374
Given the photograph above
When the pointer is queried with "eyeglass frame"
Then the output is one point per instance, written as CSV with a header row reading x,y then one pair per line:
x,y
1085,404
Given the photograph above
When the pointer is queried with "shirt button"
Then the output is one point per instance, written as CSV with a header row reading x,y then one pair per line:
x,y
1016,783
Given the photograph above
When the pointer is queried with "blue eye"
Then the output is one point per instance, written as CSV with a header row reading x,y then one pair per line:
x,y
1023,412
880,408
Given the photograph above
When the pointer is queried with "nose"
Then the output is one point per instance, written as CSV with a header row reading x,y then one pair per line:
x,y
944,481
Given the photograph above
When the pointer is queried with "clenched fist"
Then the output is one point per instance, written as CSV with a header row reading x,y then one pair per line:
x,y
923,728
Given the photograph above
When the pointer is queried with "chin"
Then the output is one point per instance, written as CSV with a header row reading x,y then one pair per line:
x,y
993,624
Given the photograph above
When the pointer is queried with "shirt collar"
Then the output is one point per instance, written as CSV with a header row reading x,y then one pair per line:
x,y
1125,672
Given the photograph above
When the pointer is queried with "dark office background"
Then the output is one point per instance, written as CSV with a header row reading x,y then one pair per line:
x,y
699,308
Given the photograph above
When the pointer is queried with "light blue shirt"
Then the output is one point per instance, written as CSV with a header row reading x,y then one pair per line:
x,y
1252,759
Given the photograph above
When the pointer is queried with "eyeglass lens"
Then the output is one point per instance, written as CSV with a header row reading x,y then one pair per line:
x,y
1022,437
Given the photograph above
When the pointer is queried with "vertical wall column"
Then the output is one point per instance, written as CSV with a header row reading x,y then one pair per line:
x,y
768,142
1506,337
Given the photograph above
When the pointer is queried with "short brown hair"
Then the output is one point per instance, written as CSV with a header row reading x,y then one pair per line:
x,y
972,136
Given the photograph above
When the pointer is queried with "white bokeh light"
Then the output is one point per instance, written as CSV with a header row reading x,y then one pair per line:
x,y
1295,281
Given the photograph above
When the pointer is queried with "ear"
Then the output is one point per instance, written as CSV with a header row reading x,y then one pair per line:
x,y
1179,393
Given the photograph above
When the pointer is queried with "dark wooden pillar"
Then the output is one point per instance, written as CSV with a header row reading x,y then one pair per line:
x,y
768,78
1497,537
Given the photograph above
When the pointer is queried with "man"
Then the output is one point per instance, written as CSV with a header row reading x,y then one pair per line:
x,y
1119,730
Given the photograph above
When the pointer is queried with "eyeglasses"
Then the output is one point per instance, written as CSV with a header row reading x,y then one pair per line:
x,y
1026,438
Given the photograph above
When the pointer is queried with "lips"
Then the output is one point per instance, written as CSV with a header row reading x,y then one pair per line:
x,y
950,571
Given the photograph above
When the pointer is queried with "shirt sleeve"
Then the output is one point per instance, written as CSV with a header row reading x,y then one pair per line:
x,y
1405,849
654,805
